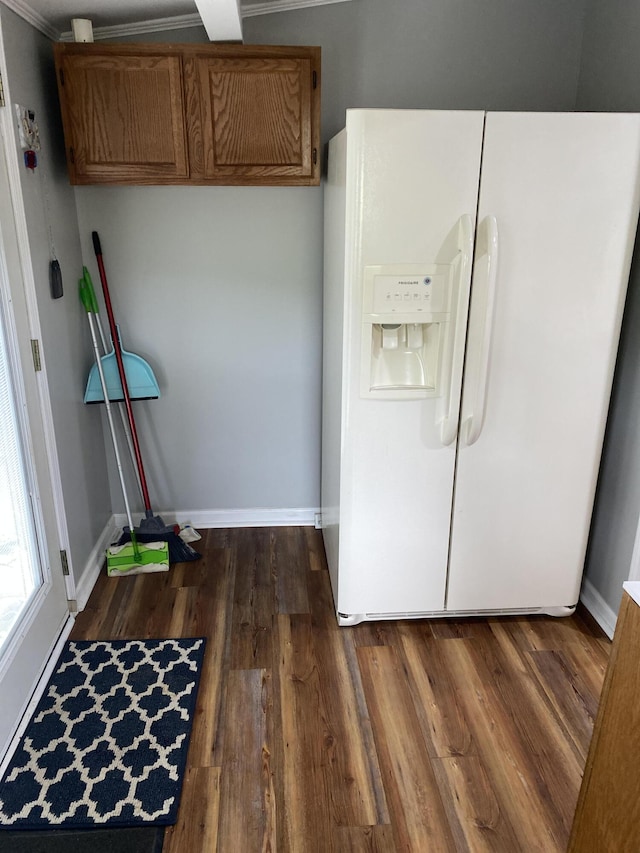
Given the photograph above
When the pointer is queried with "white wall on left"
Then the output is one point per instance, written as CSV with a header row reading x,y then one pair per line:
x,y
49,201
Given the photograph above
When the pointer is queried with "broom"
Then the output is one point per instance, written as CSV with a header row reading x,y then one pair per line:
x,y
151,527
136,557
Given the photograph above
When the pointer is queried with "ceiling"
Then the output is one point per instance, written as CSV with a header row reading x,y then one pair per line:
x,y
112,18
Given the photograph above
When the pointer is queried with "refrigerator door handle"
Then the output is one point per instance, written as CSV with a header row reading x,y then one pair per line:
x,y
453,392
484,291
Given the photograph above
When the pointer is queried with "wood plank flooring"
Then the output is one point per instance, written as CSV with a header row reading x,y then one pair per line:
x,y
441,735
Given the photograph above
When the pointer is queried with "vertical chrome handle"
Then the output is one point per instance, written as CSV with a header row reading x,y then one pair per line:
x,y
453,371
485,270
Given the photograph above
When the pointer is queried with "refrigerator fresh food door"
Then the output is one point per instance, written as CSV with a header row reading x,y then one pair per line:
x,y
411,194
563,189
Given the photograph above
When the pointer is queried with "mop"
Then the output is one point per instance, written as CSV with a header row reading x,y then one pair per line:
x,y
94,391
151,527
151,391
135,557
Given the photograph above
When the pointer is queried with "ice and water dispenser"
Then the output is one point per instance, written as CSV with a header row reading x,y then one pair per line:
x,y
406,315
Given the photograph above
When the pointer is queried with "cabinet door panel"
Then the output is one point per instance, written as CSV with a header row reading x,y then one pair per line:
x,y
257,118
125,114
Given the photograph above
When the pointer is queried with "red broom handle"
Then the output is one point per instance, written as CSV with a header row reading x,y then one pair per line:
x,y
123,377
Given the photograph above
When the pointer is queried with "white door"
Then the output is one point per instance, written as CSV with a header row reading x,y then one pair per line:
x,y
563,189
33,603
410,177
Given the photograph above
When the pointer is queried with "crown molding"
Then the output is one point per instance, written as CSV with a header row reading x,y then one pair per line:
x,y
178,22
266,8
32,17
157,25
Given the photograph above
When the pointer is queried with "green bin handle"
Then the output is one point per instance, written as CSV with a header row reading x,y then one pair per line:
x,y
85,298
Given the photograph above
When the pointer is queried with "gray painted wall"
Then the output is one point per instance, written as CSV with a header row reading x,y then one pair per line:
x,y
65,342
221,287
441,54
609,81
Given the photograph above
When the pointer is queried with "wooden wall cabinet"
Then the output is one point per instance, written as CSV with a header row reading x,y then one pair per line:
x,y
190,114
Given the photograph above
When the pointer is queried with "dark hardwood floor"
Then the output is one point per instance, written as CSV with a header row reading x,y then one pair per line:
x,y
392,736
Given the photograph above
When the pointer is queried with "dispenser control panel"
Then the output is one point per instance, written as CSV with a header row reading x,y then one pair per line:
x,y
414,291
407,293
405,323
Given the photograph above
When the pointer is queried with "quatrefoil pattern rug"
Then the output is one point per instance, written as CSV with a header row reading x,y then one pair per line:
x,y
107,744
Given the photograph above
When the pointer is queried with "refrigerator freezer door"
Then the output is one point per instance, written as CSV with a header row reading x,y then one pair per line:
x,y
564,191
410,177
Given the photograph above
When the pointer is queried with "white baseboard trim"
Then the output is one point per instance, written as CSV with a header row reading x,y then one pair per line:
x,y
95,562
598,608
251,517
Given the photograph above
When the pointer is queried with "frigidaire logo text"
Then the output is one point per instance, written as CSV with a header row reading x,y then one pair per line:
x,y
413,281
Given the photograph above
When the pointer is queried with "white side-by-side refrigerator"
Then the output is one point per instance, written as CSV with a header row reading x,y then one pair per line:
x,y
476,266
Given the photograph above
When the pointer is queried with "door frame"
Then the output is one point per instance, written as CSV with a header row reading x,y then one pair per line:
x,y
42,411
7,150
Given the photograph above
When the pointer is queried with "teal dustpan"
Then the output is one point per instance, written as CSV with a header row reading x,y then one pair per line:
x,y
140,377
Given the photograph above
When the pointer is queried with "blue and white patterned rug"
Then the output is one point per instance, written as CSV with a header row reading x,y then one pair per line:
x,y
107,744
